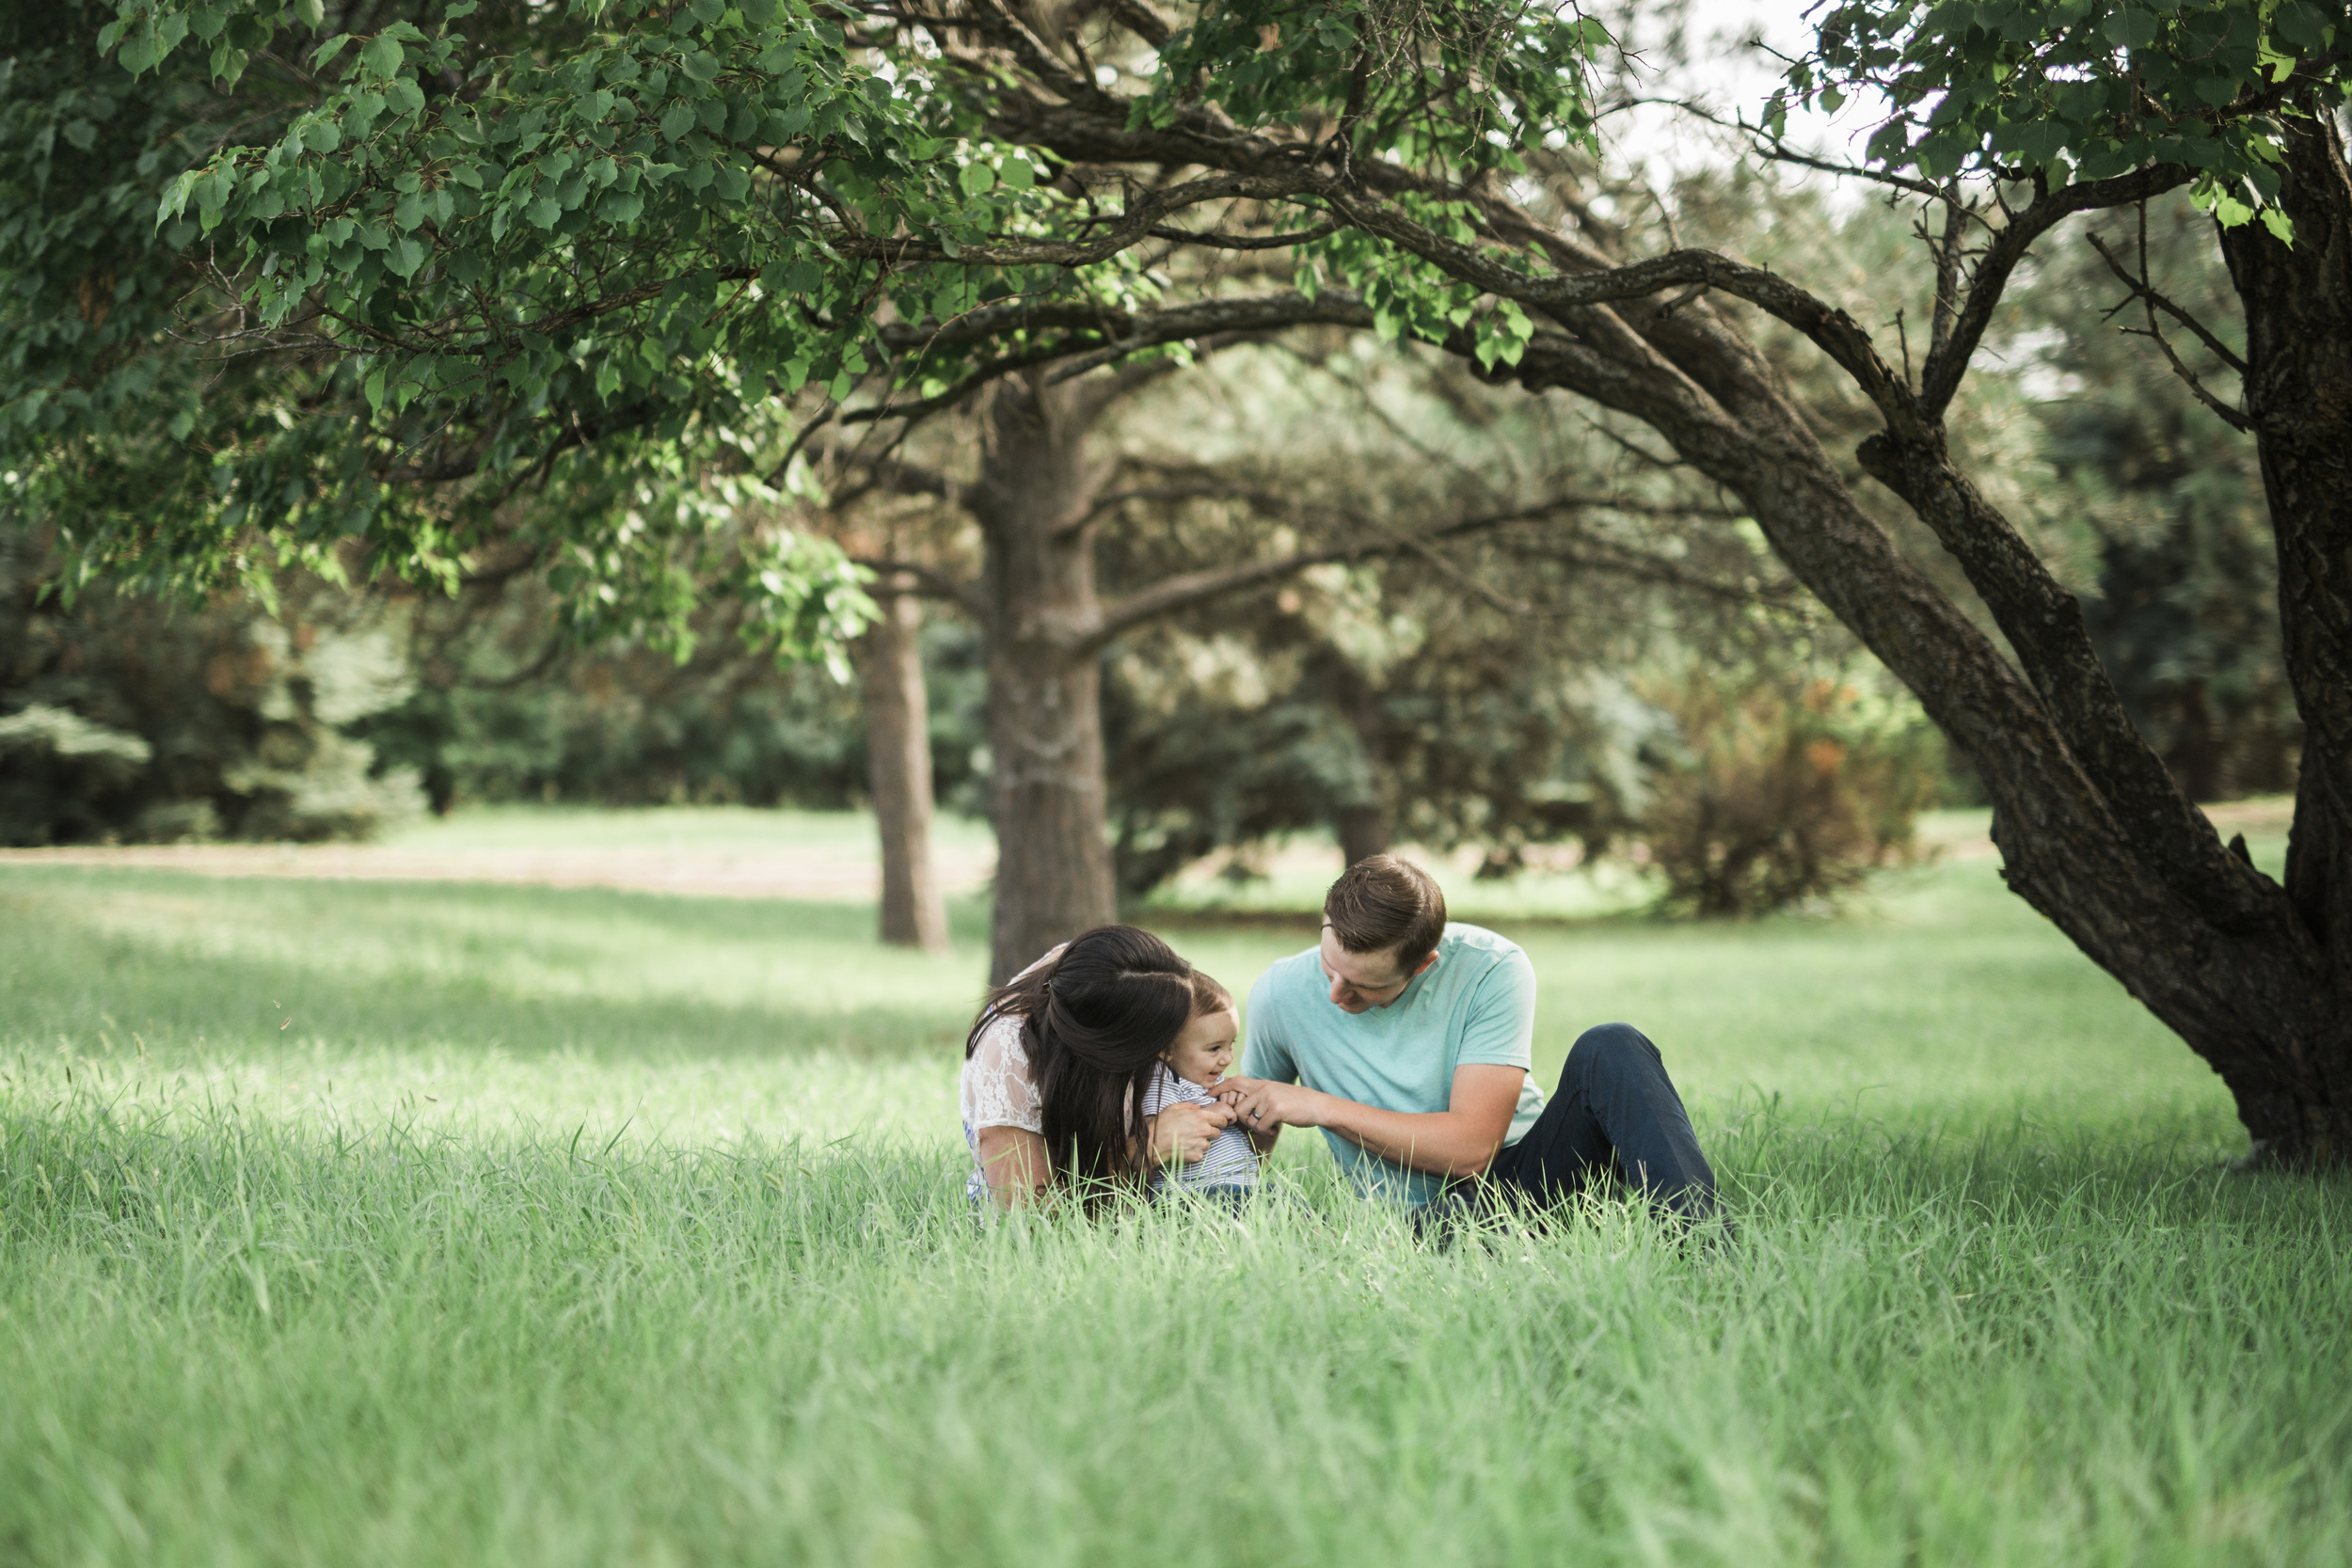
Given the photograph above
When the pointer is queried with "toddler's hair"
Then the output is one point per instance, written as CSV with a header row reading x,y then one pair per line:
x,y
1208,996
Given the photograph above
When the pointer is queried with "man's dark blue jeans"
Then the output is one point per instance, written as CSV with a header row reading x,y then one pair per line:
x,y
1615,1118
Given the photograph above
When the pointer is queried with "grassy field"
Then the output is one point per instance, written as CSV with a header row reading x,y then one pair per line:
x,y
395,1223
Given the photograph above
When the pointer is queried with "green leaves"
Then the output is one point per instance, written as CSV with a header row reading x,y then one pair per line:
x,y
382,55
2306,26
2131,29
559,266
590,275
1503,335
1470,84
2082,88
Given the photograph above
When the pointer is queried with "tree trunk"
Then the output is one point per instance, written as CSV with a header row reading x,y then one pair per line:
x,y
1363,831
1033,501
898,761
1363,825
2298,391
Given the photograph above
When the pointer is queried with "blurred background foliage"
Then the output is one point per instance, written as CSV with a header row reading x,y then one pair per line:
x,y
2179,572
1646,685
506,710
128,718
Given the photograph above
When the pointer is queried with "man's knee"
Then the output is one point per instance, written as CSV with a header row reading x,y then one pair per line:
x,y
1605,1046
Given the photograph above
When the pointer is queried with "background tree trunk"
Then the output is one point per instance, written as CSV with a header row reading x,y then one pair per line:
x,y
898,759
1363,825
1363,831
1033,501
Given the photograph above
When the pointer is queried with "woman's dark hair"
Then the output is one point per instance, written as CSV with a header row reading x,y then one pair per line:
x,y
1095,1021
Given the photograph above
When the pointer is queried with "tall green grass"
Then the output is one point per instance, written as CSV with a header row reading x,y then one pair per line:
x,y
672,1266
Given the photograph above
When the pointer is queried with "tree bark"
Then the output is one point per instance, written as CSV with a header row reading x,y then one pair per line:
x,y
898,762
1033,501
2297,301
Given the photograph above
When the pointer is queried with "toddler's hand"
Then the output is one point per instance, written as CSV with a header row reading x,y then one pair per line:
x,y
1181,1134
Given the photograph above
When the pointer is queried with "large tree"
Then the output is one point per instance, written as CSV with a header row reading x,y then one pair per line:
x,y
590,241
1047,492
2241,102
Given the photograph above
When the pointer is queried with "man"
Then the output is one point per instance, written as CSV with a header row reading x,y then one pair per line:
x,y
1407,1040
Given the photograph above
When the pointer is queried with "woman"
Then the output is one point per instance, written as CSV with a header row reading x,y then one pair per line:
x,y
1060,1057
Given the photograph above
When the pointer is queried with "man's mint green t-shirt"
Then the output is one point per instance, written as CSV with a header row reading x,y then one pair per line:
x,y
1476,1006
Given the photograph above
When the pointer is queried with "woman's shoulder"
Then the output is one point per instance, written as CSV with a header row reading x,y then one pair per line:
x,y
1002,1038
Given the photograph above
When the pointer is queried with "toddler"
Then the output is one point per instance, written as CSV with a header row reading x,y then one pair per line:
x,y
1189,1072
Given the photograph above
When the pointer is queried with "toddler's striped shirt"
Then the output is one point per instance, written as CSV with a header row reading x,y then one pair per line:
x,y
1229,1161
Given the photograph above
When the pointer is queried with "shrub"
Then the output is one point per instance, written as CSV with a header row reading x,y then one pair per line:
x,y
1783,791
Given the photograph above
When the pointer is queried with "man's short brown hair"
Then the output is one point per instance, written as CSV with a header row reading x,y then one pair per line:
x,y
1382,902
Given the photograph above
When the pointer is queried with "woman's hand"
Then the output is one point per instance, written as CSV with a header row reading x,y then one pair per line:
x,y
1181,1133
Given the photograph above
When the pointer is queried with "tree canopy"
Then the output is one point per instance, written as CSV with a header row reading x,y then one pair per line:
x,y
381,268
2049,93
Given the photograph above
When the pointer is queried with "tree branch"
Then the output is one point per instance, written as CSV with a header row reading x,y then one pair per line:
x,y
2043,623
1135,223
1946,251
1829,328
896,477
1187,589
1265,242
1207,490
2154,302
1142,20
929,583
1942,375
1109,334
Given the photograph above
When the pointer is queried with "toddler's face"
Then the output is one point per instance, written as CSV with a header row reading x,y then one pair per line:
x,y
1204,1051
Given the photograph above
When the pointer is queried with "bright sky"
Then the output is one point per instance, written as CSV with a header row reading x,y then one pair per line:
x,y
1735,76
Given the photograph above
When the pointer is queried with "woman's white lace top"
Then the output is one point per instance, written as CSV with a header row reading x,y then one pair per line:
x,y
998,1089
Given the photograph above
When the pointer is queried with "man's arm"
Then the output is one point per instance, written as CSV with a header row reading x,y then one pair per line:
x,y
1267,1056
1460,1140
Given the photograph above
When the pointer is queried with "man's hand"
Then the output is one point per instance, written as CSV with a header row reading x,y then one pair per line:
x,y
1182,1132
1456,1141
1262,1105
